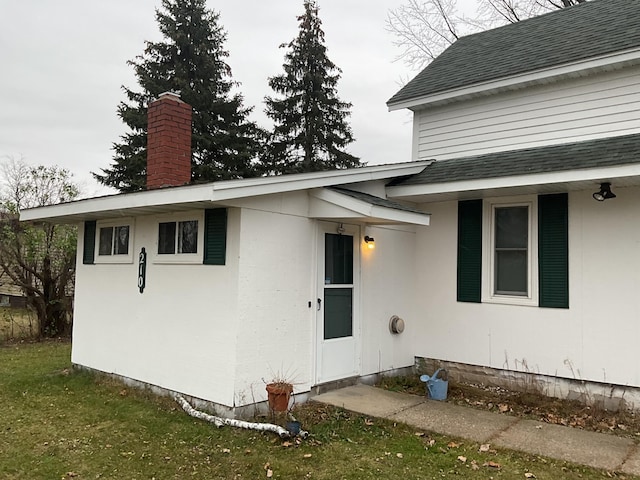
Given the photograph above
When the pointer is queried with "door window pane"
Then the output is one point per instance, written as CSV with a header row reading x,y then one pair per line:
x,y
167,238
338,320
338,259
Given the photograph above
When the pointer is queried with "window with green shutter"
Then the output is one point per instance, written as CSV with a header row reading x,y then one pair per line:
x,y
215,236
469,251
553,251
89,242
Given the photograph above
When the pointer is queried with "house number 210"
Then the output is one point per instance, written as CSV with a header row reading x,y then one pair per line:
x,y
142,269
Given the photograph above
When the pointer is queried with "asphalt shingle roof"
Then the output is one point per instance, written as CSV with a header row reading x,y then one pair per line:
x,y
606,152
373,200
579,32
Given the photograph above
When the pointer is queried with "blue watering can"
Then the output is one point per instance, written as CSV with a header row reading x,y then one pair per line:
x,y
436,387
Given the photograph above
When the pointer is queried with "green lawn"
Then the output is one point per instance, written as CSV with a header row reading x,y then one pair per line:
x,y
58,424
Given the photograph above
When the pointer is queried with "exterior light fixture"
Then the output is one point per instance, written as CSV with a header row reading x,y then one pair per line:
x,y
605,192
371,243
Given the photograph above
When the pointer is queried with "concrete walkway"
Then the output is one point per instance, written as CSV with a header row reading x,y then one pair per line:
x,y
597,450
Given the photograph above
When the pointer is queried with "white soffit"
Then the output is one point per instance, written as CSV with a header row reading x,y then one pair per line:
x,y
329,205
204,195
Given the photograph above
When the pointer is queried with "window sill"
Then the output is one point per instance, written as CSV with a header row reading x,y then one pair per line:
x,y
113,259
511,300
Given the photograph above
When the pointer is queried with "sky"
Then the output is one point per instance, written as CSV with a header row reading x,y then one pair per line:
x,y
63,64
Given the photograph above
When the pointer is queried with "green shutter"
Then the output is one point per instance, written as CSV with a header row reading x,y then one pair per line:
x,y
89,242
215,236
469,250
553,251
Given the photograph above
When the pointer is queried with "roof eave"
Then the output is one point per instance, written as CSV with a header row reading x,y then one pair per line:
x,y
194,196
558,180
604,62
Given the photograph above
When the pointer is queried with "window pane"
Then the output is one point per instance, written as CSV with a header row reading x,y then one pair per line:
x,y
106,235
338,259
188,237
511,272
338,321
512,227
121,246
167,238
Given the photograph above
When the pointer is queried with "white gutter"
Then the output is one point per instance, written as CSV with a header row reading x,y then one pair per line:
x,y
629,56
123,204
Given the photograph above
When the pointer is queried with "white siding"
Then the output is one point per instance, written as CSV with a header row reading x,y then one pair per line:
x,y
595,339
179,334
602,105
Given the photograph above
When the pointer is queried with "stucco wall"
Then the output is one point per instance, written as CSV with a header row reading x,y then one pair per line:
x,y
595,339
276,282
388,288
179,334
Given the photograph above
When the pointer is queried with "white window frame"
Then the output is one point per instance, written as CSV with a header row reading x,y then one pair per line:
x,y
488,254
179,258
120,258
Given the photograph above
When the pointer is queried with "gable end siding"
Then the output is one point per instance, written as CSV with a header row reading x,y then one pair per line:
x,y
469,251
553,251
215,236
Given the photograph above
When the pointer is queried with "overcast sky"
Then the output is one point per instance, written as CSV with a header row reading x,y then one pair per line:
x,y
63,63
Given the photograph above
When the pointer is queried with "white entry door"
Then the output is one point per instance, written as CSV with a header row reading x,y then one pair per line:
x,y
337,303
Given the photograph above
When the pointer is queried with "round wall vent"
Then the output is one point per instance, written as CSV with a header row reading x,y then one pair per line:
x,y
396,324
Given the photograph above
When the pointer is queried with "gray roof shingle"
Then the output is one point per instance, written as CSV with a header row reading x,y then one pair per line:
x,y
373,200
606,152
579,32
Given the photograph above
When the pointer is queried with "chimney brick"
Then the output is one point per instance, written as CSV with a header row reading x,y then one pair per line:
x,y
168,142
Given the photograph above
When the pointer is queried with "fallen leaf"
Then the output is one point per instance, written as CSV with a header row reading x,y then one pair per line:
x,y
529,475
491,464
474,465
539,427
247,451
485,447
72,474
432,442
269,473
462,458
368,422
307,455
226,450
399,455
453,445
286,444
503,407
419,434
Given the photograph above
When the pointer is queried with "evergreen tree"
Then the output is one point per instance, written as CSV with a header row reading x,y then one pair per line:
x,y
190,60
310,122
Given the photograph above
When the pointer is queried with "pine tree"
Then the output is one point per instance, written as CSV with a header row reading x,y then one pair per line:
x,y
310,122
190,60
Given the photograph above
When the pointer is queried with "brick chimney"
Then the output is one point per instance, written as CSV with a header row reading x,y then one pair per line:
x,y
168,142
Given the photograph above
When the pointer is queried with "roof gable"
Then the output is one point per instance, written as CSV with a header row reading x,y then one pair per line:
x,y
581,32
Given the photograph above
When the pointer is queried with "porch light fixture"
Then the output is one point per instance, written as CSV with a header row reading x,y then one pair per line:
x,y
371,243
605,192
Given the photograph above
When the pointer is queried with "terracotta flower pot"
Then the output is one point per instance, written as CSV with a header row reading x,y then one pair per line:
x,y
278,395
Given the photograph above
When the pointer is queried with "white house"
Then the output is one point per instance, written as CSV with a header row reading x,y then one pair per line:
x,y
489,244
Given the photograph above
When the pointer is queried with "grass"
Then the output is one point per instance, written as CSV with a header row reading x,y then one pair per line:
x,y
57,424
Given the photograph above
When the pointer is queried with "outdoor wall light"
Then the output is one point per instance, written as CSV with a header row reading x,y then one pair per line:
x,y
371,243
605,192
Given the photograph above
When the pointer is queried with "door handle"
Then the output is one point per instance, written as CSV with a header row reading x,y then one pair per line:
x,y
319,304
